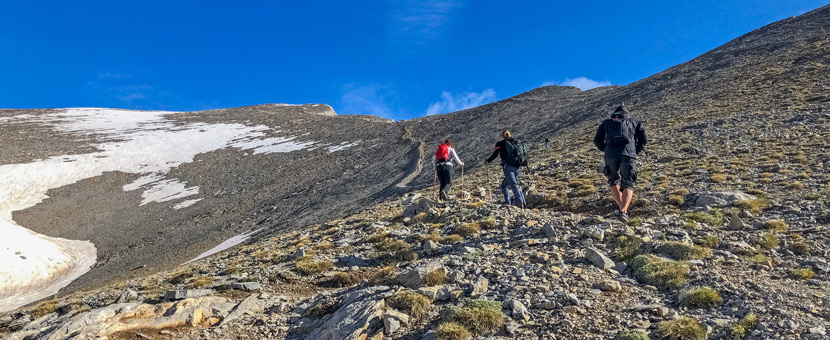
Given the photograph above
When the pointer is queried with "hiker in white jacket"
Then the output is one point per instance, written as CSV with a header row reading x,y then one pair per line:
x,y
442,162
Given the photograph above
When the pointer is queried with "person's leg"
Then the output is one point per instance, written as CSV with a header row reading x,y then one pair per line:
x,y
628,176
627,194
615,194
504,187
511,179
442,178
517,191
612,173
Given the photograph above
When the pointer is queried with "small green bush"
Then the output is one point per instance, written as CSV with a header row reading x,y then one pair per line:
x,y
768,241
715,218
413,304
479,316
741,328
711,241
700,297
641,260
802,274
800,248
684,328
452,239
684,252
626,247
452,331
436,277
663,273
635,334
759,258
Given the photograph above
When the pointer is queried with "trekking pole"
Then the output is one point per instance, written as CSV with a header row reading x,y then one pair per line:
x,y
462,182
434,182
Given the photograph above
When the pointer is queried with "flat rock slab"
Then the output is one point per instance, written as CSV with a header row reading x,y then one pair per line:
x,y
186,293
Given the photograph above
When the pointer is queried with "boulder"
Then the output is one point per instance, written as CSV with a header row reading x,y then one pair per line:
x,y
518,310
549,231
126,296
423,205
721,198
413,278
479,287
598,258
735,223
359,311
390,325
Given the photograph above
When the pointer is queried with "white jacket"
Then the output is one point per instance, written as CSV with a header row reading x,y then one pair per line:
x,y
453,157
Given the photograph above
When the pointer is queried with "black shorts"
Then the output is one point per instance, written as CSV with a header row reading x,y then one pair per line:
x,y
621,171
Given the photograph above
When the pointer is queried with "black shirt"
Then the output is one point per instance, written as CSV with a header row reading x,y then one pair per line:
x,y
500,151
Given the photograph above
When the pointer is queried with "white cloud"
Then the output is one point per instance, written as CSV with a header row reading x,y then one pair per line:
x,y
373,99
582,83
450,102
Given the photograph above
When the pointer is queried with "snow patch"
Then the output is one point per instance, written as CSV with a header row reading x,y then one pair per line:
x,y
226,245
185,204
342,146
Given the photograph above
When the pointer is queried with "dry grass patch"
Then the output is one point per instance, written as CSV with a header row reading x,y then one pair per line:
x,y
741,328
634,334
436,277
684,328
803,274
777,226
481,317
452,331
306,265
201,281
684,252
800,248
768,241
414,304
467,229
651,270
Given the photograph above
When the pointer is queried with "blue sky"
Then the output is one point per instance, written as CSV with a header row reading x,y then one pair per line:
x,y
396,59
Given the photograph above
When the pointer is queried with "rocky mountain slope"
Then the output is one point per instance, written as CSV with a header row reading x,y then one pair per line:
x,y
729,239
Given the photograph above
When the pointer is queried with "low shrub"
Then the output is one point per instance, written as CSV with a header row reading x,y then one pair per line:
x,y
768,241
684,328
626,247
635,334
684,252
700,297
800,248
308,266
413,304
436,277
776,225
479,316
452,331
802,274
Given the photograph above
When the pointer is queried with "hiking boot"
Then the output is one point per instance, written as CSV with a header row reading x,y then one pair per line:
x,y
623,217
442,196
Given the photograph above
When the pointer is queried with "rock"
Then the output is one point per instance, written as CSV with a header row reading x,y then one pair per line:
x,y
819,330
411,199
430,247
721,198
608,286
390,325
518,310
596,232
298,254
423,205
430,292
479,287
251,304
126,296
402,317
246,286
413,278
549,231
482,192
429,335
735,223
358,311
186,293
598,258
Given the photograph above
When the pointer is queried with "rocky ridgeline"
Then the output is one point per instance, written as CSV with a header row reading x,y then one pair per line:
x,y
418,269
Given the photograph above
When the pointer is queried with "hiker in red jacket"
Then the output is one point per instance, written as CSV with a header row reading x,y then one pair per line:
x,y
442,162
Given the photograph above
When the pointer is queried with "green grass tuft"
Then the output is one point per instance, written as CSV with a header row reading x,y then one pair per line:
x,y
755,206
414,304
741,328
768,241
479,316
467,229
663,273
635,334
700,297
802,274
452,331
684,328
684,252
436,277
308,266
626,247
800,248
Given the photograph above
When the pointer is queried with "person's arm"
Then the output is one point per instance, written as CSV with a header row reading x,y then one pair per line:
x,y
454,156
599,138
494,155
641,138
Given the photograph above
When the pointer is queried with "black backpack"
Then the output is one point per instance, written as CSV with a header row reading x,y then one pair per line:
x,y
619,130
516,152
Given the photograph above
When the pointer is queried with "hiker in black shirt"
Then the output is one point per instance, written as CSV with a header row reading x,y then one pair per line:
x,y
511,171
622,138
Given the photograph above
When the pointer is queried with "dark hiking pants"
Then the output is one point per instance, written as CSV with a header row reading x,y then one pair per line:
x,y
511,183
444,171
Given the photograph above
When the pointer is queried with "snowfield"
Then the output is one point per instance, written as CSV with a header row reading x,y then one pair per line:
x,y
34,266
